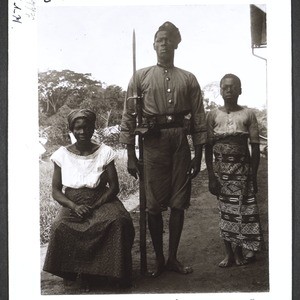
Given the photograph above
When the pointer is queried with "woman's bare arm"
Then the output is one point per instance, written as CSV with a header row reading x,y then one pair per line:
x,y
213,184
255,159
113,183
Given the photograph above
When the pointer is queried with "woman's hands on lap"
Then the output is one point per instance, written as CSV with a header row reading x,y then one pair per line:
x,y
82,210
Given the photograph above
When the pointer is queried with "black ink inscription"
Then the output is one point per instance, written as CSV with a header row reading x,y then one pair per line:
x,y
17,18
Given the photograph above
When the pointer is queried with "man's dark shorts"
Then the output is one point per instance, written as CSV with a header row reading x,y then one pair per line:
x,y
167,158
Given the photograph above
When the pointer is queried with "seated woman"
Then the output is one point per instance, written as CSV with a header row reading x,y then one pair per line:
x,y
93,232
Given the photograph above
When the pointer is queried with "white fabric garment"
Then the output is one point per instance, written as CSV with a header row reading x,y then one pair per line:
x,y
79,171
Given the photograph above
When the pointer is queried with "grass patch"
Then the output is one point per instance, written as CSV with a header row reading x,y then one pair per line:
x,y
48,206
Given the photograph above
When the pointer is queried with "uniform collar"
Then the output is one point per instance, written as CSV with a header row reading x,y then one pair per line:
x,y
165,67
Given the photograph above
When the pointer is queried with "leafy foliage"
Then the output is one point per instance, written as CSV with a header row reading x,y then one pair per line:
x,y
261,116
211,94
57,88
62,91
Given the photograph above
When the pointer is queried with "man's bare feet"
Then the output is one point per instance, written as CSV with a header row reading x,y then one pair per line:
x,y
176,266
160,268
226,262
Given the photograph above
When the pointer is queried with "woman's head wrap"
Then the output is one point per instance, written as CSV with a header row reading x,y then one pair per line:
x,y
81,113
171,29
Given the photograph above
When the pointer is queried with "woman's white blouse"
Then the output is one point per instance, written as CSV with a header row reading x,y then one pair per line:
x,y
79,171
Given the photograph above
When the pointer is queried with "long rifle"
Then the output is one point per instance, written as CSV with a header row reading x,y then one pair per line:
x,y
139,131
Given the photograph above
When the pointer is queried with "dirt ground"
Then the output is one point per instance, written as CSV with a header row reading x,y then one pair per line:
x,y
200,247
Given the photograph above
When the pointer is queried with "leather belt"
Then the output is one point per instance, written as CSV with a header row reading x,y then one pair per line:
x,y
165,121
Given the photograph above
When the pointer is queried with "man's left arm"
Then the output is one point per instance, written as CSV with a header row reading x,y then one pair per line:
x,y
196,161
199,131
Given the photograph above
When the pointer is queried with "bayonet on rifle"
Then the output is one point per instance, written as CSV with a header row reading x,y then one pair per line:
x,y
140,130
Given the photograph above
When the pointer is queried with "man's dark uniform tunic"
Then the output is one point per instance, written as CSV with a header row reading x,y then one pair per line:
x,y
167,93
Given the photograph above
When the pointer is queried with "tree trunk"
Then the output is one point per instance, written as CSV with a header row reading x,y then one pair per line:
x,y
108,117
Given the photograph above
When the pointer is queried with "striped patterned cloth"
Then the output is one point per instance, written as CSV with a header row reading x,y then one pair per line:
x,y
239,215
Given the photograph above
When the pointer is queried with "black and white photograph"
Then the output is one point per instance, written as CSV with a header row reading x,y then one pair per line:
x,y
149,150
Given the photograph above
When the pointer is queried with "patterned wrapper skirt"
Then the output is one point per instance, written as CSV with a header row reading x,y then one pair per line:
x,y
98,245
239,215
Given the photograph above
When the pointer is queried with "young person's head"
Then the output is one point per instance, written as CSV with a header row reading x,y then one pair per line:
x,y
230,87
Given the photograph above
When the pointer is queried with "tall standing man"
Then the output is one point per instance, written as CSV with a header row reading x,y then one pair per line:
x,y
170,96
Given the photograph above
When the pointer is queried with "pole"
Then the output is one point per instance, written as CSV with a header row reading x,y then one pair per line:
x,y
142,196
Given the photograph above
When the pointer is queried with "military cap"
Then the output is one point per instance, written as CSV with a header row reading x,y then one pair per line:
x,y
172,29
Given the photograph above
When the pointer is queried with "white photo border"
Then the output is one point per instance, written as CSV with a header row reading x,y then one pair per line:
x,y
23,168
